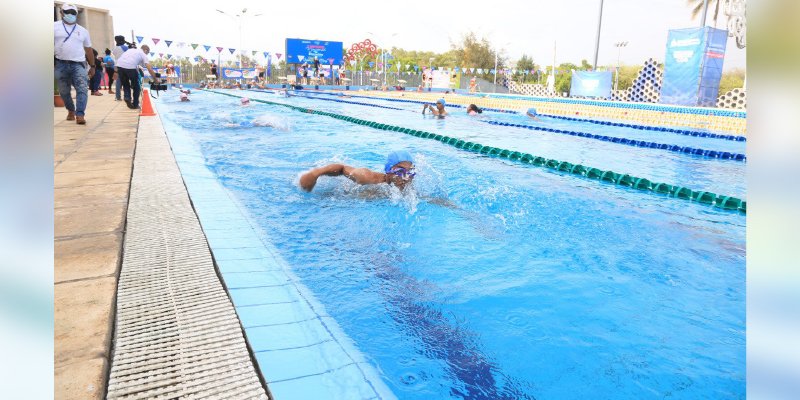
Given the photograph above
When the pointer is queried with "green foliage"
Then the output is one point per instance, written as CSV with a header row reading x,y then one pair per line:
x,y
731,80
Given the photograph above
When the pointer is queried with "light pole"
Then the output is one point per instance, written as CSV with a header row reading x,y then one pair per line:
x,y
495,66
597,41
383,54
239,20
619,46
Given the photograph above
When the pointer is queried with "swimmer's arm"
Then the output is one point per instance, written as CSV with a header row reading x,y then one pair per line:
x,y
361,176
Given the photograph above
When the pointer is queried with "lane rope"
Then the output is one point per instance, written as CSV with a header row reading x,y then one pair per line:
x,y
642,184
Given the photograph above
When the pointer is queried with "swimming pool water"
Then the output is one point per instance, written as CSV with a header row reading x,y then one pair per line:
x,y
492,279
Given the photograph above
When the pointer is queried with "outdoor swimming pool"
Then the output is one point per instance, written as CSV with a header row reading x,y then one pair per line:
x,y
492,279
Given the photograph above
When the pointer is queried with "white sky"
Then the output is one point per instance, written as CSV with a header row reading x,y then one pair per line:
x,y
519,27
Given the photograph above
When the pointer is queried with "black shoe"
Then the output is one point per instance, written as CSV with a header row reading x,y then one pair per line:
x,y
128,102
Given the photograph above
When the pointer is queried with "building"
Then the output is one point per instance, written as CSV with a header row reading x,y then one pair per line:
x,y
97,21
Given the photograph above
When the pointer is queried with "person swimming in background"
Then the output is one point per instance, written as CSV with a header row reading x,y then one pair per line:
x,y
472,109
531,112
437,110
245,101
184,96
398,171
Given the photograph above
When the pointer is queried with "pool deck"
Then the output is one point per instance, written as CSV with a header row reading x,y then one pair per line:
x,y
92,172
124,227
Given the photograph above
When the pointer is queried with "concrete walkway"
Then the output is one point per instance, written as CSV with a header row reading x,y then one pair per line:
x,y
92,165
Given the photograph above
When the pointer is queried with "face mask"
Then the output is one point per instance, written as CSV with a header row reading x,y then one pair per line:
x,y
70,19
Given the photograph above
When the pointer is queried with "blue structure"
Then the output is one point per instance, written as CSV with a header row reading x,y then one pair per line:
x,y
591,84
693,66
303,50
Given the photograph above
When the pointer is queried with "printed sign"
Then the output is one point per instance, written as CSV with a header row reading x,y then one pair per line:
x,y
304,50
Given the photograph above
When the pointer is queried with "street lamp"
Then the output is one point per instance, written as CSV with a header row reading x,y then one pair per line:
x,y
495,66
239,20
383,54
619,46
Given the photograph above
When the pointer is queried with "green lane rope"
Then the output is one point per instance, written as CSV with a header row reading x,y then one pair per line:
x,y
643,184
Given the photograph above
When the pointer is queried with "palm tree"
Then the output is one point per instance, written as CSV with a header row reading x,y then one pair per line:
x,y
698,8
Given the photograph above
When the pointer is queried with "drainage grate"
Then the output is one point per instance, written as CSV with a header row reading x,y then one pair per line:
x,y
176,333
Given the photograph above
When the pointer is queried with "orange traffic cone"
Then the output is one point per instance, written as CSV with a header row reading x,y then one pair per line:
x,y
147,108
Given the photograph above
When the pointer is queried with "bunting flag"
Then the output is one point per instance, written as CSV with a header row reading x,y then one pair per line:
x,y
480,70
169,56
152,54
160,55
194,46
254,53
139,39
207,47
155,41
219,49
231,50
278,55
416,68
371,64
472,70
168,42
181,45
266,54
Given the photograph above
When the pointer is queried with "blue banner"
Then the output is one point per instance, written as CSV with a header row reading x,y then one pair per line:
x,y
239,73
591,84
304,51
693,66
711,74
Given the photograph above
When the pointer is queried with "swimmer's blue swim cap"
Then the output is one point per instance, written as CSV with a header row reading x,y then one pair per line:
x,y
440,101
397,157
532,111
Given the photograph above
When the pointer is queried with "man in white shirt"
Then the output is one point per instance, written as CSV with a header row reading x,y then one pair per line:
x,y
128,68
120,48
73,49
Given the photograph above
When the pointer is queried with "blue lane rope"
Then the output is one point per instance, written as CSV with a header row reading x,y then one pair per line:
x,y
643,184
724,155
685,132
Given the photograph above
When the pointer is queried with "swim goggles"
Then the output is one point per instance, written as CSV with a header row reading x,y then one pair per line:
x,y
403,173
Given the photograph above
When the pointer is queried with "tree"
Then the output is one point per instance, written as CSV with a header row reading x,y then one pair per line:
x,y
698,8
525,64
478,53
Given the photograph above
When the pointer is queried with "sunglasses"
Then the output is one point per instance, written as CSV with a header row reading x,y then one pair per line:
x,y
403,173
73,12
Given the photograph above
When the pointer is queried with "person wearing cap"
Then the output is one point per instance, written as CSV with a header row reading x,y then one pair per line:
x,y
531,112
437,110
73,49
128,67
184,96
398,171
116,53
245,101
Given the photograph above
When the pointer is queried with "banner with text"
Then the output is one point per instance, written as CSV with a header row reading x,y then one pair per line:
x,y
591,84
304,50
693,66
239,73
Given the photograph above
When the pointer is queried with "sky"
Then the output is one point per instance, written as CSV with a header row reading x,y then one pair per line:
x,y
517,27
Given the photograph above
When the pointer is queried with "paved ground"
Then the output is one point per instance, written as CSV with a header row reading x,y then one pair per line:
x,y
92,165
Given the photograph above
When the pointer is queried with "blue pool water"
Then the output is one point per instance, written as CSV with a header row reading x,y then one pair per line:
x,y
491,279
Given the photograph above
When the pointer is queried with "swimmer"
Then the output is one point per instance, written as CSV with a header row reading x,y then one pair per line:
x,y
472,109
398,171
531,112
437,110
184,96
245,101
